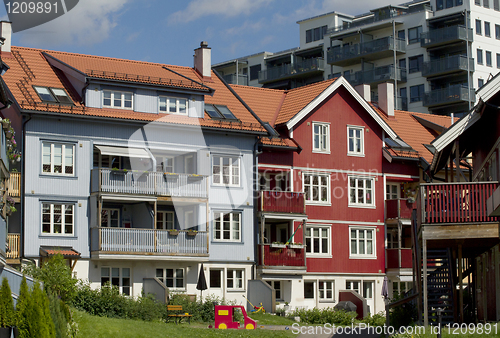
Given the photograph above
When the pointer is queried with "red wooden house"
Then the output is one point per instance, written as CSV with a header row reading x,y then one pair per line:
x,y
323,183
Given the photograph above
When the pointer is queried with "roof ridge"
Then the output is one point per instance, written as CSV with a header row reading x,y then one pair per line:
x,y
313,84
257,88
100,57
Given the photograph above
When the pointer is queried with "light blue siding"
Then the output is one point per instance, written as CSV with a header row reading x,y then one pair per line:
x,y
146,101
93,96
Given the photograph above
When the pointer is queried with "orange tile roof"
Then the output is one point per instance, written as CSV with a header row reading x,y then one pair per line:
x,y
29,67
279,142
54,250
264,102
412,132
298,98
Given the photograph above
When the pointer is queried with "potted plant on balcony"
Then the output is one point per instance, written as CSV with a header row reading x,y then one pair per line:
x,y
5,124
297,245
278,245
192,232
118,171
173,232
7,314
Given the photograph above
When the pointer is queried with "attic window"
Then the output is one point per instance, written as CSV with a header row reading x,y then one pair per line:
x,y
56,95
397,143
219,112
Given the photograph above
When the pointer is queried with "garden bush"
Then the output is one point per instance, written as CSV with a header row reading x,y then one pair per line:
x,y
403,315
7,317
377,319
323,316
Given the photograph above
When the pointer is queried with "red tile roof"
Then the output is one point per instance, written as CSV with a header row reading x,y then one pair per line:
x,y
54,250
29,67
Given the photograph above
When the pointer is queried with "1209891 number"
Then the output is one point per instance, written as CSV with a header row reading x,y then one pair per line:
x,y
464,329
31,7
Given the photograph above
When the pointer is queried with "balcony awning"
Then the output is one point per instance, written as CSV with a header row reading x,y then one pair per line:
x,y
67,252
123,151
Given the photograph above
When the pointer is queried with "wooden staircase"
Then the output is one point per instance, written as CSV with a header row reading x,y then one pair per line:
x,y
440,285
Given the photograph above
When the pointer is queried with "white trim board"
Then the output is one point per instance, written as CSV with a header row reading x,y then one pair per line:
x,y
341,81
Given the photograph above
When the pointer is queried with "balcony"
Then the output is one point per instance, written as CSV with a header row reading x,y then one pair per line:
x,y
299,69
398,208
402,103
282,257
443,36
149,183
148,242
369,51
456,203
377,75
14,248
237,79
282,202
399,258
452,64
15,184
449,95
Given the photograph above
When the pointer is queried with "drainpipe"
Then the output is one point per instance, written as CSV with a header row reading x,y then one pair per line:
x,y
237,72
395,66
256,231
23,184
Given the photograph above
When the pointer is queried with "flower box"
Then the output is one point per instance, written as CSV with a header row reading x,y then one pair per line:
x,y
278,245
192,233
296,246
173,232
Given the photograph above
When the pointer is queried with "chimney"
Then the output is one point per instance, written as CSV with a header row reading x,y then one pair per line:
x,y
203,60
386,98
6,33
364,91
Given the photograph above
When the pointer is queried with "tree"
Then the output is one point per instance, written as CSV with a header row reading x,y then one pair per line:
x,y
7,316
23,310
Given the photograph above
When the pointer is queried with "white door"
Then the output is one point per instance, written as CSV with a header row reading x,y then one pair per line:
x,y
368,291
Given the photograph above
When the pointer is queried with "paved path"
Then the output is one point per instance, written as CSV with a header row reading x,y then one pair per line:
x,y
357,334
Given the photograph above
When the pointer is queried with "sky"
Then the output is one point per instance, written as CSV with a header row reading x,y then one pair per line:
x,y
168,31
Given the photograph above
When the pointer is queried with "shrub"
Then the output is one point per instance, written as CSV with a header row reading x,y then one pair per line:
x,y
7,317
56,277
323,316
403,315
23,310
377,319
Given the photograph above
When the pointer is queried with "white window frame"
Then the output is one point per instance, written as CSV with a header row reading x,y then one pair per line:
x,y
63,159
121,277
353,152
356,188
122,99
220,215
109,217
310,248
327,285
164,224
365,230
164,166
234,179
174,277
189,222
324,137
388,190
63,219
168,100
320,185
230,275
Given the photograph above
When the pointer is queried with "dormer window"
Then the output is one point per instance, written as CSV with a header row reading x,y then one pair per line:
x,y
117,99
53,95
219,112
173,105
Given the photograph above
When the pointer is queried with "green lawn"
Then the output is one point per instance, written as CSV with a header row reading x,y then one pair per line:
x,y
268,319
102,327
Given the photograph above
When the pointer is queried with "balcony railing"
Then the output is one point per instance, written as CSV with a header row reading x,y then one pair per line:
x,y
237,79
149,183
149,241
443,36
282,257
447,65
395,261
287,71
456,203
282,202
398,208
15,184
377,75
452,94
14,242
370,50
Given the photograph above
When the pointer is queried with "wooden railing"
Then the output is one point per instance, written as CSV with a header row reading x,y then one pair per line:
x,y
282,202
399,208
149,241
15,184
456,202
14,241
149,183
282,256
394,261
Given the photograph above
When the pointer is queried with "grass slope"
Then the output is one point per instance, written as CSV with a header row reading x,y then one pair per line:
x,y
102,327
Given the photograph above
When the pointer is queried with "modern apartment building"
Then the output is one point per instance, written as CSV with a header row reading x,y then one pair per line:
x,y
436,52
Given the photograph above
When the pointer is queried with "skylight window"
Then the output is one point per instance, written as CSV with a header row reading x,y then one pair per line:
x,y
397,143
55,95
219,112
